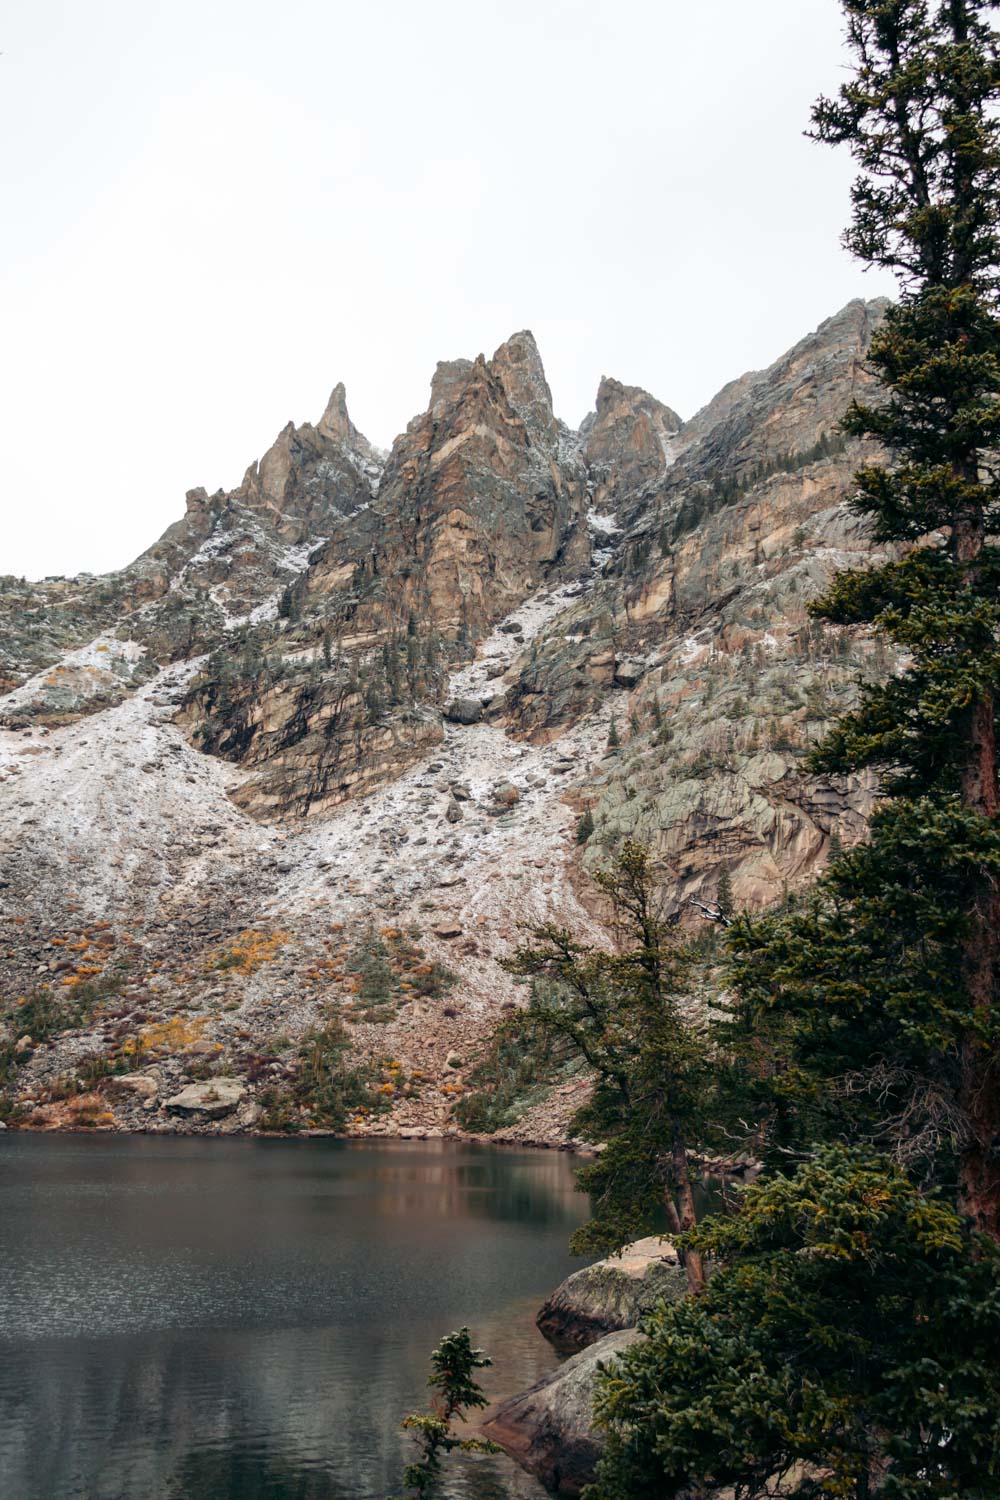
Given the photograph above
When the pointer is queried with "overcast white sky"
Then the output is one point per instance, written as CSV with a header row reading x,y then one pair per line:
x,y
216,209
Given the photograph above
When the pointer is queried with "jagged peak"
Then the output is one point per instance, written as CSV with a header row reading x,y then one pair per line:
x,y
335,422
612,394
518,366
521,347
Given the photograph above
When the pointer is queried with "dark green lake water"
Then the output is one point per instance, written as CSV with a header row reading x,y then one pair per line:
x,y
197,1319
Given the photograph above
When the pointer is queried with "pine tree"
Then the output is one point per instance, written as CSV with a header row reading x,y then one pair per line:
x,y
621,1014
453,1366
891,974
921,120
845,1346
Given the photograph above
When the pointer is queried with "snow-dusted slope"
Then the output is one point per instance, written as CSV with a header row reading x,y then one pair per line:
x,y
120,821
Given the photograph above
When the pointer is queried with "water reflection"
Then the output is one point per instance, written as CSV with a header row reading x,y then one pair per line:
x,y
188,1319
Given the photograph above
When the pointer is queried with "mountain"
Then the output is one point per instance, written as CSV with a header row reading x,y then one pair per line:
x,y
315,754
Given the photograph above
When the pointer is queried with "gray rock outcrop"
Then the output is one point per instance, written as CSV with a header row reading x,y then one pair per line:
x,y
464,710
213,1099
612,1294
549,1429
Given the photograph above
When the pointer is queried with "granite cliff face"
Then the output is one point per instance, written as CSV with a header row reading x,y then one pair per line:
x,y
343,720
629,443
700,614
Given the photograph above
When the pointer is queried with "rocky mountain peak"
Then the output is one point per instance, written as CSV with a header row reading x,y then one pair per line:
x,y
518,366
335,423
475,506
628,441
196,501
617,402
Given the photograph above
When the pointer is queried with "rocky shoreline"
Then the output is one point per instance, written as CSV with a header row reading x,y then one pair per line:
x,y
405,1134
548,1429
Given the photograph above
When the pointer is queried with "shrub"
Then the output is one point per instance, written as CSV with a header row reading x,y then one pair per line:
x,y
325,1090
515,1071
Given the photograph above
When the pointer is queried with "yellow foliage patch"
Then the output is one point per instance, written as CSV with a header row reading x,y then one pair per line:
x,y
248,952
165,1038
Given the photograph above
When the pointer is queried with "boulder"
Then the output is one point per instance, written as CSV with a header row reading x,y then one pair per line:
x,y
549,1429
140,1084
612,1294
628,673
505,794
464,710
214,1099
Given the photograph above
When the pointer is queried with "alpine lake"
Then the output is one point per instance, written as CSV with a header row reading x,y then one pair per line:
x,y
189,1318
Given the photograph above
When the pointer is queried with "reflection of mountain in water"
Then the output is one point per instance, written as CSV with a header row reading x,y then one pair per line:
x,y
216,1319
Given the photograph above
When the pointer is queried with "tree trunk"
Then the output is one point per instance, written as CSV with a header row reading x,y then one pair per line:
x,y
979,1167
670,1207
979,1086
686,1211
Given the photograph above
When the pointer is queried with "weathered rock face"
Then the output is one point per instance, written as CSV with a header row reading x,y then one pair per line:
x,y
220,567
235,549
549,1429
727,679
629,442
310,475
481,499
612,1294
309,745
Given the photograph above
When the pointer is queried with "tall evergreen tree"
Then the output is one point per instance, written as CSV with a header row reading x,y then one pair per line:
x,y
724,898
892,971
920,118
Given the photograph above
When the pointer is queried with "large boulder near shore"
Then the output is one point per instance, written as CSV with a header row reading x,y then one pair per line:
x,y
612,1294
549,1429
212,1100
